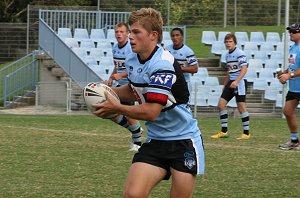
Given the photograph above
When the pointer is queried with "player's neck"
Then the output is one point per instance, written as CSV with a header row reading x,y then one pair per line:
x,y
145,54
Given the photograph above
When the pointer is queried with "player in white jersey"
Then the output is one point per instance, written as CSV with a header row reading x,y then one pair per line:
x,y
292,75
174,144
184,55
235,85
120,50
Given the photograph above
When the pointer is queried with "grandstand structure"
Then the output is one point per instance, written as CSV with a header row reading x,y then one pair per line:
x,y
75,48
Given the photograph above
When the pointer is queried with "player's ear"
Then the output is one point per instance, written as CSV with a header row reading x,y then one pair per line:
x,y
154,35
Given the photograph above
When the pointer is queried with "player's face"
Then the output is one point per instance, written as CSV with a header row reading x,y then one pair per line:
x,y
141,41
295,36
177,38
121,34
230,45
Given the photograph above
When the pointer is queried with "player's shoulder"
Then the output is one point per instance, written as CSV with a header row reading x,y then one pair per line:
x,y
162,60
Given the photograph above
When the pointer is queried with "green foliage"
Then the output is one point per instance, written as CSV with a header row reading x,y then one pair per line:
x,y
13,11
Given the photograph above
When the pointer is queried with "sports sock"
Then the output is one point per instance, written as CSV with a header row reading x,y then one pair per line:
x,y
224,120
134,129
245,120
136,133
294,137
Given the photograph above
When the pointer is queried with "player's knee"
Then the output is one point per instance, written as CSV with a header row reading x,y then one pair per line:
x,y
287,112
134,193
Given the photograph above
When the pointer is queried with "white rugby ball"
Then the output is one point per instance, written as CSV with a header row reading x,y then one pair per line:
x,y
93,93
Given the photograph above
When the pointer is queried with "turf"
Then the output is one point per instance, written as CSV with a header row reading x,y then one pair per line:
x,y
83,156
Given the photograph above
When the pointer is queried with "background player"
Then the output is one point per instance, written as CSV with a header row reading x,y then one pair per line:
x,y
184,55
120,50
292,75
174,144
234,86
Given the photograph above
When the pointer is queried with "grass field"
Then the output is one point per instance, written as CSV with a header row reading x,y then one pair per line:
x,y
83,156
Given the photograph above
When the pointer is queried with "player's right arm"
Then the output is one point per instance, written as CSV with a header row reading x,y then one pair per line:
x,y
125,93
111,78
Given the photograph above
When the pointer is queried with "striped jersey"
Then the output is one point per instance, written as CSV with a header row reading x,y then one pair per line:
x,y
294,64
185,56
235,60
159,79
119,56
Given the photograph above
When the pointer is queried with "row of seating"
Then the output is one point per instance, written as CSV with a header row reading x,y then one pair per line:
x,y
208,37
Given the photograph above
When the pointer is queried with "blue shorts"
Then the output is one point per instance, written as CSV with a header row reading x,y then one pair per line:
x,y
181,155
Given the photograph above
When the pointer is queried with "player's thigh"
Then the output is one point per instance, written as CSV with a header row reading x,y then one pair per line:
x,y
222,103
182,184
290,106
142,178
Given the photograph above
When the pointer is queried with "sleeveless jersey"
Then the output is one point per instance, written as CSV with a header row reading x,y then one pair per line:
x,y
159,79
294,64
185,56
235,60
119,56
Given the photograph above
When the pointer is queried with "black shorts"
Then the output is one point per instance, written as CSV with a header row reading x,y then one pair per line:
x,y
292,96
181,155
228,93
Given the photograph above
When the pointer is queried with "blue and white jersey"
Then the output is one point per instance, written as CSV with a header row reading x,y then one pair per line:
x,y
185,56
159,79
235,60
119,56
294,64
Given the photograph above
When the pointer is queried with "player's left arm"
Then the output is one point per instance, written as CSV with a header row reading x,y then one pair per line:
x,y
125,93
190,69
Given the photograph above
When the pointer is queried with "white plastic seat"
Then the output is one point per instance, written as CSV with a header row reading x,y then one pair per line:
x,y
81,52
271,93
106,62
211,81
202,72
88,43
71,42
255,64
277,55
217,47
166,42
89,60
208,37
110,35
81,34
221,35
103,44
200,101
241,37
96,52
280,47
251,47
274,83
266,73
213,99
257,37
223,56
251,74
99,70
279,100
232,103
260,55
64,33
273,37
271,63
97,34
260,84
166,35
268,47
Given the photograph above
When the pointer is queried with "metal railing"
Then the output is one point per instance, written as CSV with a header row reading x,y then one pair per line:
x,y
18,79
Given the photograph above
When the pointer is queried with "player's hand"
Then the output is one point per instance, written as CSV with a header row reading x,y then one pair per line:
x,y
106,108
284,77
233,85
109,82
117,77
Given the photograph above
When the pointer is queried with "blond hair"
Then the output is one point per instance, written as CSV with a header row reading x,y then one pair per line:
x,y
148,18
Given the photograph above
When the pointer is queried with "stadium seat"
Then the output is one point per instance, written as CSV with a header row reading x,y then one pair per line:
x,y
221,35
96,52
241,37
280,47
271,63
99,70
271,93
223,56
251,74
279,100
166,35
267,47
202,72
261,55
266,73
200,101
103,44
90,60
110,35
232,103
81,52
64,33
274,83
257,37
97,34
276,55
106,62
251,47
260,84
213,99
88,43
217,47
273,37
255,64
208,37
81,34
71,42
211,81
166,42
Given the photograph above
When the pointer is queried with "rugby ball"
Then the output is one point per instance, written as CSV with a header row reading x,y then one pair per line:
x,y
93,93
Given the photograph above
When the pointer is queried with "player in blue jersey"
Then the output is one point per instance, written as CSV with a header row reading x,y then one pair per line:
x,y
292,75
120,50
174,144
184,55
234,86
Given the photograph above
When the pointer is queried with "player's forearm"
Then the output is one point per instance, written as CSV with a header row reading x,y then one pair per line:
x,y
147,111
242,74
125,93
190,69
